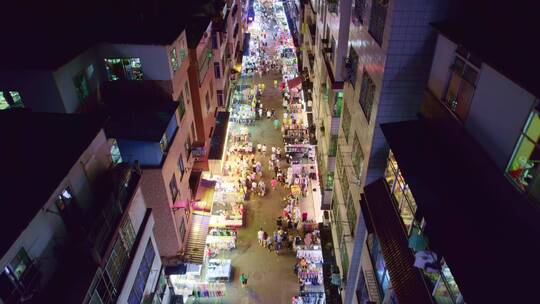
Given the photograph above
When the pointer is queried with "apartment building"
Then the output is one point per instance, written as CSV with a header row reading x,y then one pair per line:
x,y
227,35
369,62
472,156
83,234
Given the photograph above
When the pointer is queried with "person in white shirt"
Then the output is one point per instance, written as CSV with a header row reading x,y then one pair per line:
x,y
260,236
263,149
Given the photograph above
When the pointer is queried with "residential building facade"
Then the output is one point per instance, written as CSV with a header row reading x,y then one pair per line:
x,y
86,226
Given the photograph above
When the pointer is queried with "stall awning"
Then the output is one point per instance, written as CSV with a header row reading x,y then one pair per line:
x,y
407,280
293,83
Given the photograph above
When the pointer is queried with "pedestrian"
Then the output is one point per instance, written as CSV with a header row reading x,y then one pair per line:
x,y
259,147
243,279
273,149
263,149
269,243
260,236
268,114
260,113
278,152
273,183
276,124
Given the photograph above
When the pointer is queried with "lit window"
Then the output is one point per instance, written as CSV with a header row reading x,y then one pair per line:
x,y
367,95
174,60
20,263
523,169
10,100
116,157
163,143
123,69
181,107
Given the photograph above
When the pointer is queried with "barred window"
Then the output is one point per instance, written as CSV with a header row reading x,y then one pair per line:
x,y
367,94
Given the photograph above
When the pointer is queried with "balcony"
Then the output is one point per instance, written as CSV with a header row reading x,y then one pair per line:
x,y
332,6
23,288
123,181
349,72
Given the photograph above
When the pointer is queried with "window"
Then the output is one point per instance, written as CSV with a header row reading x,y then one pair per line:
x,y
10,99
403,198
211,89
351,213
207,102
163,143
182,230
116,156
181,106
116,262
333,6
204,61
217,70
181,167
173,186
123,69
357,156
220,98
332,149
329,182
183,54
346,122
174,60
344,259
332,47
523,169
193,135
20,263
337,217
64,201
136,294
81,86
187,146
378,19
351,65
215,40
461,86
367,94
338,105
186,91
381,272
358,12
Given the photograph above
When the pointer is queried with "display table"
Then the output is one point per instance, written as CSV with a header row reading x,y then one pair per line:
x,y
218,270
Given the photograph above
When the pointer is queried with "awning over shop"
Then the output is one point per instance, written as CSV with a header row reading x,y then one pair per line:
x,y
475,218
293,83
407,281
217,142
180,204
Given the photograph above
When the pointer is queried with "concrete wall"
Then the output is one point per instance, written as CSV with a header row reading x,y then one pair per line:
x,y
147,235
440,69
146,152
154,59
498,112
45,234
37,88
157,196
86,62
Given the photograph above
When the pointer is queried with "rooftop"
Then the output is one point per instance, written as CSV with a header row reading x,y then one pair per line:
x,y
475,218
503,36
157,22
139,110
38,151
195,30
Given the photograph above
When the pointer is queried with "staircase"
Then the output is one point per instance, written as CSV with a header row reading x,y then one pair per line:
x,y
197,238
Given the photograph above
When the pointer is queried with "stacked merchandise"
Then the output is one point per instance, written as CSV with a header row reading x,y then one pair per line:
x,y
310,275
227,207
209,290
218,270
222,239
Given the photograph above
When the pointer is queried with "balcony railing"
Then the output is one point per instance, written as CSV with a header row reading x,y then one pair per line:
x,y
107,221
24,288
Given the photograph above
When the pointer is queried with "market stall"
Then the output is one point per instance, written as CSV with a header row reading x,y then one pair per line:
x,y
218,270
227,208
310,275
221,239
